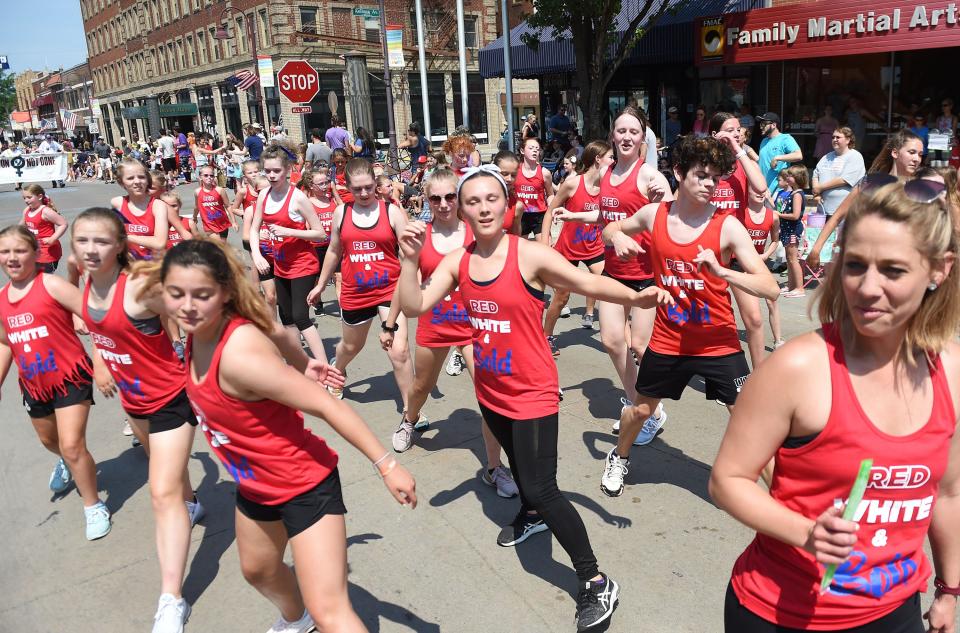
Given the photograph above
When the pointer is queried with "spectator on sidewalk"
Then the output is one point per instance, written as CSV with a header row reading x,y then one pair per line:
x,y
51,146
777,150
317,149
184,153
253,143
337,137
104,161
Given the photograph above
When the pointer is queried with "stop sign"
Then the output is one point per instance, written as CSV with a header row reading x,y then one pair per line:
x,y
299,81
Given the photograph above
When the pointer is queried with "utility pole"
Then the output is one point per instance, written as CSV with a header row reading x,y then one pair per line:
x,y
463,65
424,93
391,124
507,72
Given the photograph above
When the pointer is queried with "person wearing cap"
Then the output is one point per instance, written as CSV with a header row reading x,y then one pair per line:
x,y
672,126
777,150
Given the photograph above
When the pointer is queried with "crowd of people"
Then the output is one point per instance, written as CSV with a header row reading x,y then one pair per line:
x,y
190,332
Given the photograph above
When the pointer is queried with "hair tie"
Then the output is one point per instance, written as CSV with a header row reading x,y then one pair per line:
x,y
288,153
489,170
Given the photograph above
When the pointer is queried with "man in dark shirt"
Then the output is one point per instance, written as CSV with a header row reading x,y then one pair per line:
x,y
183,154
253,143
559,126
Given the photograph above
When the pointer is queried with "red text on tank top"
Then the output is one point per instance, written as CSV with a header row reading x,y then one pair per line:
x,y
781,583
619,202
262,444
140,225
293,257
531,190
43,229
326,222
700,323
514,372
758,231
447,323
369,263
45,347
731,192
144,366
340,182
578,241
212,212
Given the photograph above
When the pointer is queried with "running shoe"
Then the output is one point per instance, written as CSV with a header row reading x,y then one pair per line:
x,y
127,430
780,343
422,424
596,601
522,528
135,441
586,321
98,521
196,510
456,364
336,392
172,614
613,473
564,312
501,479
178,348
651,427
403,436
552,342
60,478
624,405
303,625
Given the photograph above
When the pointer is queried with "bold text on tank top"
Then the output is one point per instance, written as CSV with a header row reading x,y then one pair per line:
x,y
490,359
454,314
36,365
238,466
105,346
212,207
367,252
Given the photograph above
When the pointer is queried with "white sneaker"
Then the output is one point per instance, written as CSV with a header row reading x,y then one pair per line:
x,y
403,436
564,312
172,614
303,625
501,479
624,405
126,428
615,469
455,364
196,510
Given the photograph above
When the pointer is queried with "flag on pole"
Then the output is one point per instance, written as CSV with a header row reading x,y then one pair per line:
x,y
243,79
48,124
69,120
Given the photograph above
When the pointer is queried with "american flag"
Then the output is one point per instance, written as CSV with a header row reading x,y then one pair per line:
x,y
48,124
243,79
69,120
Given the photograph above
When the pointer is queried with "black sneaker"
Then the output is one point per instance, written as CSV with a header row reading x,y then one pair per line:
x,y
595,602
522,528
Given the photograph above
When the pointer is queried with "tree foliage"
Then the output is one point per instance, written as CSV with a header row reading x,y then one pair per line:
x,y
8,96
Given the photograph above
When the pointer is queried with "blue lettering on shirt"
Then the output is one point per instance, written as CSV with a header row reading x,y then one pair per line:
x,y
494,362
695,314
131,388
31,369
586,234
456,314
877,582
373,282
239,471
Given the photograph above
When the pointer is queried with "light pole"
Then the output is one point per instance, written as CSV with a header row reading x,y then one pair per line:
x,y
222,34
391,125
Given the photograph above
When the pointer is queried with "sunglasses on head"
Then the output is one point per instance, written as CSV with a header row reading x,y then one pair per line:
x,y
450,198
922,191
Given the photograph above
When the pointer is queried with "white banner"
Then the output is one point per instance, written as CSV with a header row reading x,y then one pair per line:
x,y
33,168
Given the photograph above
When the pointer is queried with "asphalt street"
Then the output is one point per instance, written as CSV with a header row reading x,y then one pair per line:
x,y
435,568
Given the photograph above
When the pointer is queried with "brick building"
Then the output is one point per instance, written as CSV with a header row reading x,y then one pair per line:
x,y
139,49
23,84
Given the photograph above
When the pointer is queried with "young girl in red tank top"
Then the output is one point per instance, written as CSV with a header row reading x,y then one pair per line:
x,y
176,232
249,402
316,184
252,184
135,359
55,372
144,217
364,244
533,187
501,278
879,380
509,163
46,223
341,192
210,204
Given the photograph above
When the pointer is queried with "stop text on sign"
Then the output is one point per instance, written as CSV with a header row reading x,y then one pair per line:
x,y
298,81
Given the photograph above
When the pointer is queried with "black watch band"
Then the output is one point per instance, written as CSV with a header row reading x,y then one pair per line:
x,y
387,328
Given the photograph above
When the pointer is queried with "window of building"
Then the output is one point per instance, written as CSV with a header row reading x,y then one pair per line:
x,y
343,22
371,29
309,22
263,26
202,46
215,44
186,7
319,116
191,51
272,96
476,103
231,109
240,36
470,31
435,100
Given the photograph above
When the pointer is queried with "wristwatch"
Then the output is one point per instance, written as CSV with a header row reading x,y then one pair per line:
x,y
942,587
391,329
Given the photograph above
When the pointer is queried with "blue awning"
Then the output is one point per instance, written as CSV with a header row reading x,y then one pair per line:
x,y
671,40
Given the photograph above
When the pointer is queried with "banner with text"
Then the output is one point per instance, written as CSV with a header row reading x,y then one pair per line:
x,y
395,46
33,168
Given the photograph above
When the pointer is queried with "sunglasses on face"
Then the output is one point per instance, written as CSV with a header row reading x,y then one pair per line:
x,y
922,191
450,198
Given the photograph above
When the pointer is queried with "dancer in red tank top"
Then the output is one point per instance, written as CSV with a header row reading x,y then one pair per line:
x,y
341,192
46,223
252,185
316,184
36,333
697,335
533,187
210,204
364,245
249,403
577,205
509,163
879,380
176,231
135,358
732,193
501,278
144,217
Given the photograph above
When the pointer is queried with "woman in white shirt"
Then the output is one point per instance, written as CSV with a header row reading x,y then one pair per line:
x,y
838,171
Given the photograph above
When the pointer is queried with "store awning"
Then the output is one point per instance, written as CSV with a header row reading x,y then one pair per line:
x,y
669,41
42,101
20,116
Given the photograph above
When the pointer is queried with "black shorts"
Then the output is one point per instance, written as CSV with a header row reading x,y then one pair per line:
x,y
48,267
531,223
633,284
302,511
666,376
76,393
223,234
588,262
169,164
170,416
267,276
361,315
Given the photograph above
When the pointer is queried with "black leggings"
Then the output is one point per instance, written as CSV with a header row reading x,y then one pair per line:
x,y
904,619
531,447
292,300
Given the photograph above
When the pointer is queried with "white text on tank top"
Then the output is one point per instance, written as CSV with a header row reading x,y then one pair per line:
x,y
609,203
366,251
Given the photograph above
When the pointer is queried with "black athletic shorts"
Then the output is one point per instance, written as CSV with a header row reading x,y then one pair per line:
x,y
588,262
170,416
169,164
531,223
361,315
666,376
633,284
224,233
48,267
302,511
267,276
76,392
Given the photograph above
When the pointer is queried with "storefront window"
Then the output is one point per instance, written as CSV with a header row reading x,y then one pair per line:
x,y
476,103
208,116
319,116
435,100
231,109
273,103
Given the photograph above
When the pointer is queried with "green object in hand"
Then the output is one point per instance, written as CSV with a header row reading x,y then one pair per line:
x,y
853,501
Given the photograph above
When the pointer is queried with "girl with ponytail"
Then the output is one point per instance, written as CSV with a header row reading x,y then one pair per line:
x,y
45,222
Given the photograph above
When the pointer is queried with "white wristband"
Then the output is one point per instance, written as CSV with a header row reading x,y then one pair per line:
x,y
740,154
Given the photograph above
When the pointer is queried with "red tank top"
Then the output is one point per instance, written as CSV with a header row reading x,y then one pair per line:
x,y
531,190
249,196
145,367
293,257
515,374
296,174
45,348
578,241
781,583
326,222
731,192
510,216
141,225
758,232
173,236
447,322
212,212
619,202
43,229
263,444
369,263
340,183
701,322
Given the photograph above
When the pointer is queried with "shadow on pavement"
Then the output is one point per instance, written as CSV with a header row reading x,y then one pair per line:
x,y
460,430
382,387
122,476
603,397
218,497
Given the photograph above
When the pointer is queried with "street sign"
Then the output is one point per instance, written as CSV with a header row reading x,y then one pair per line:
x,y
298,81
363,12
301,109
